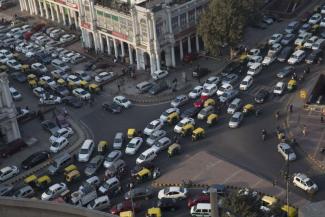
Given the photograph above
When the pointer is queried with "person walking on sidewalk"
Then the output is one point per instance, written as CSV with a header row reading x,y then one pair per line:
x,y
291,108
304,130
322,118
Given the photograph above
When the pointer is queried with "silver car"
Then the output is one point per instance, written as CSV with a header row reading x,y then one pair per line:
x,y
118,140
112,157
94,165
155,136
179,101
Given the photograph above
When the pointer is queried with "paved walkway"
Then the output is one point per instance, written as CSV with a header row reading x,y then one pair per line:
x,y
203,168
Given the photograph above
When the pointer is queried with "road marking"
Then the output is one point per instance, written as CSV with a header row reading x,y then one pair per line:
x,y
88,129
151,104
232,175
257,183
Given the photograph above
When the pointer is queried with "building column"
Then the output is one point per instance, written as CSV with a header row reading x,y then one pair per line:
x,y
52,12
189,46
138,58
153,63
173,56
109,49
21,5
157,61
76,23
31,11
101,43
115,48
41,8
57,14
46,10
69,18
197,43
63,15
130,54
35,7
181,49
122,49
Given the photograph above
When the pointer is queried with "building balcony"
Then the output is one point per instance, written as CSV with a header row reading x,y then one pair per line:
x,y
121,7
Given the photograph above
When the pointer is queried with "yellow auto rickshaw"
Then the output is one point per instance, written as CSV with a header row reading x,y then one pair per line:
x,y
32,83
61,82
94,88
292,84
72,176
131,133
84,84
25,68
126,214
72,85
172,118
143,175
3,68
102,147
289,210
43,182
174,149
153,212
70,168
212,119
248,109
315,28
198,133
187,129
30,180
42,83
209,102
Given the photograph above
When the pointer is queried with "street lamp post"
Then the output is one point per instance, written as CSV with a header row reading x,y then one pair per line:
x,y
287,183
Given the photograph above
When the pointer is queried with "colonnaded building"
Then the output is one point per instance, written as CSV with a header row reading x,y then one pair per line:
x,y
150,33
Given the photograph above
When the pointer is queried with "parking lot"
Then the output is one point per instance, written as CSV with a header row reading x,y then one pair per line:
x,y
61,82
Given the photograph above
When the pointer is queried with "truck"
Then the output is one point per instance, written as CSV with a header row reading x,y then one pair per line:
x,y
83,196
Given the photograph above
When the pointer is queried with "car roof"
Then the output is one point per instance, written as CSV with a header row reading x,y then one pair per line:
x,y
237,114
7,168
87,143
174,188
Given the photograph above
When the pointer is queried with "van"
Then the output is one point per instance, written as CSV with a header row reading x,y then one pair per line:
x,y
201,210
59,163
319,44
234,106
254,69
58,64
146,156
143,87
210,90
297,57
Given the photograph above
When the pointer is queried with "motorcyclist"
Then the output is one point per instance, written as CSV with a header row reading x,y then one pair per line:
x,y
264,134
277,115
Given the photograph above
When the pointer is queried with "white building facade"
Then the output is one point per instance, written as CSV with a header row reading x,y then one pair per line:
x,y
9,129
148,33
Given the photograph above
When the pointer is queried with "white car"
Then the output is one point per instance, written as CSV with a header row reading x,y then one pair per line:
x,y
253,52
303,182
50,100
54,191
196,92
6,53
209,90
279,88
4,59
165,114
254,59
68,57
59,144
211,80
268,60
322,23
178,127
14,64
159,74
152,126
316,18
133,146
173,193
48,81
302,38
246,83
39,67
286,151
39,91
146,156
180,100
275,38
297,57
81,93
224,88
112,157
86,150
67,38
161,144
15,94
236,120
73,79
8,172
309,43
104,76
122,101
63,132
99,203
276,48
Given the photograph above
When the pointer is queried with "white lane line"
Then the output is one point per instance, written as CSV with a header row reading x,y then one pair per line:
x,y
232,175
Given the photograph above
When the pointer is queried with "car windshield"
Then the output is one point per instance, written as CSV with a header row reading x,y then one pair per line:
x,y
55,144
49,192
51,125
83,151
83,92
309,183
131,145
234,119
123,100
117,140
111,158
151,126
142,157
92,165
244,82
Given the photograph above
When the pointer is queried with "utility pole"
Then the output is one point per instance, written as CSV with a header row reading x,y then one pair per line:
x,y
214,202
287,183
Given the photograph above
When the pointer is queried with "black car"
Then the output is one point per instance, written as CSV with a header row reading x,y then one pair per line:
x,y
200,72
167,204
157,88
234,67
285,71
139,193
19,77
6,190
72,101
314,56
113,107
35,159
50,126
62,90
287,39
261,96
190,112
285,54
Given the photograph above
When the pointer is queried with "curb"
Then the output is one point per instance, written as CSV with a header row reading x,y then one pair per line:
x,y
81,136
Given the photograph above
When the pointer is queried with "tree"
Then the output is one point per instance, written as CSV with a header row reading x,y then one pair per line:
x,y
223,23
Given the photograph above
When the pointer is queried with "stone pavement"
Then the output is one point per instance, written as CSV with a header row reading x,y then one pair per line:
x,y
206,169
300,117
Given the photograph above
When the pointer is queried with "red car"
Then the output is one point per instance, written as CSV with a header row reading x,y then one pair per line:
x,y
125,206
202,198
189,57
200,102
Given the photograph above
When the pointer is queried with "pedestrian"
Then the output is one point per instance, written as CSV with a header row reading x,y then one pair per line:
x,y
118,87
291,108
65,112
304,130
322,118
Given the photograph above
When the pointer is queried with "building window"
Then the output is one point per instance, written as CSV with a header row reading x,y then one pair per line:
x,y
144,31
183,21
175,24
159,29
108,21
191,16
199,11
100,19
